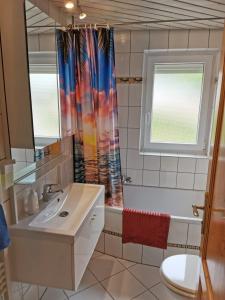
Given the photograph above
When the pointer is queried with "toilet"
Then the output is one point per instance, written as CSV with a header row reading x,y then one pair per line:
x,y
180,273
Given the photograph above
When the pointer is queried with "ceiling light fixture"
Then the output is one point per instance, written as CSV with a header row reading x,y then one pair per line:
x,y
82,15
69,5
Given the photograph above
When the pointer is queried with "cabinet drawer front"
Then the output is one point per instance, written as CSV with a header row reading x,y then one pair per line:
x,y
87,238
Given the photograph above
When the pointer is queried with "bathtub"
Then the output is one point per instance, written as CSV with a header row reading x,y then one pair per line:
x,y
184,232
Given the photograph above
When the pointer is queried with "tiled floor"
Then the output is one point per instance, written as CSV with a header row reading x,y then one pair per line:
x,y
110,278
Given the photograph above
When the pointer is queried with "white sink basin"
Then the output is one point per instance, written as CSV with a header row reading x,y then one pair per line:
x,y
66,212
52,210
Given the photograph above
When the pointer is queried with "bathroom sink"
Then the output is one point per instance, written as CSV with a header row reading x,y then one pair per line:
x,y
66,211
58,243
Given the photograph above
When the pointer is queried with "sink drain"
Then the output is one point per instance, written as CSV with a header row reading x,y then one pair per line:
x,y
63,214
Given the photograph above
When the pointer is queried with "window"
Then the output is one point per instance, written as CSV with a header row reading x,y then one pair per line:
x,y
44,96
177,98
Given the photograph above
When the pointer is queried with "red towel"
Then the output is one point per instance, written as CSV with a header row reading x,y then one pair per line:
x,y
146,228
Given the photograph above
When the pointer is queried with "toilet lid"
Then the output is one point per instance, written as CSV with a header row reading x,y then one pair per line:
x,y
182,272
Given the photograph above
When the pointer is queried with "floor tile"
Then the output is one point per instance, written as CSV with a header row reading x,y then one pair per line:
x,y
123,286
41,290
126,263
31,293
96,254
54,294
87,281
147,275
95,292
146,296
105,266
163,293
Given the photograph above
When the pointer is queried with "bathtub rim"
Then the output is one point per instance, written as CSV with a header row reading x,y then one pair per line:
x,y
118,210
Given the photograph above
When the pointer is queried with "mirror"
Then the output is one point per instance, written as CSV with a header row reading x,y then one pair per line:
x,y
43,75
44,93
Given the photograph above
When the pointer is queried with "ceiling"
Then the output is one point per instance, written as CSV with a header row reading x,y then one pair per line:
x,y
132,14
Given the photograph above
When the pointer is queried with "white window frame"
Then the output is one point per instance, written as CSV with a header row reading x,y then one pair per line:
x,y
208,57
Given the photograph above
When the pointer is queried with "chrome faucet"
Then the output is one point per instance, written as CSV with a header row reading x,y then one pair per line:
x,y
49,192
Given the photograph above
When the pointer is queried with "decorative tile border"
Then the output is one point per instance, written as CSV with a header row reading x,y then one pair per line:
x,y
169,244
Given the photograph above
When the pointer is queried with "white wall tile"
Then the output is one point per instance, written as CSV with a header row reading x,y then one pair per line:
x,y
122,41
139,40
178,233
186,164
193,252
168,179
132,252
136,176
123,137
159,39
151,178
178,39
202,165
122,94
200,182
170,251
133,138
134,159
194,235
152,162
113,221
136,64
33,42
198,38
169,163
152,256
18,154
135,92
123,157
215,38
47,42
30,155
122,116
134,117
185,181
113,245
122,64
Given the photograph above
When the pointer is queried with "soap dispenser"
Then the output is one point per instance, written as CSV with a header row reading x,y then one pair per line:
x,y
31,205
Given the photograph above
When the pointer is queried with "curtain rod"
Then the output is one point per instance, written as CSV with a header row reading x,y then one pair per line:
x,y
82,25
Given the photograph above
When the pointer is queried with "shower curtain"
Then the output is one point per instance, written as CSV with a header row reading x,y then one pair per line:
x,y
89,104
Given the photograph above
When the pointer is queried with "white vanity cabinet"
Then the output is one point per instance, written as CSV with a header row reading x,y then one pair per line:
x,y
86,240
58,257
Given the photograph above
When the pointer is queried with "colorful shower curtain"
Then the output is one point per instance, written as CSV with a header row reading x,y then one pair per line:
x,y
89,104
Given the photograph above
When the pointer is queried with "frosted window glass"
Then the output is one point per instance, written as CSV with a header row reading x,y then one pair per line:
x,y
45,105
177,93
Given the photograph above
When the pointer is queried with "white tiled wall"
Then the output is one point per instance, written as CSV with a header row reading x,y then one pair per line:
x,y
182,232
156,170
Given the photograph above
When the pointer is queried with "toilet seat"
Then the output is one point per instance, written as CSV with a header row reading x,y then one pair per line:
x,y
180,273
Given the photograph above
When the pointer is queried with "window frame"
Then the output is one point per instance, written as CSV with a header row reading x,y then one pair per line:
x,y
207,57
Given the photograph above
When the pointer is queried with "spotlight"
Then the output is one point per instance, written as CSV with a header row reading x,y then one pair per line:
x,y
69,5
82,15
